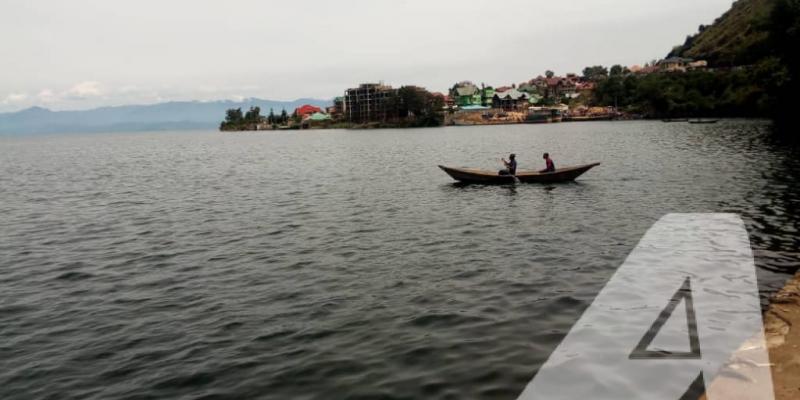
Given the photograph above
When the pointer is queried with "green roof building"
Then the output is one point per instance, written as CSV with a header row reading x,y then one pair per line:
x,y
467,94
318,116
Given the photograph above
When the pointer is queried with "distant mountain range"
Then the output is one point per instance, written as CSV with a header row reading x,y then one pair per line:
x,y
176,115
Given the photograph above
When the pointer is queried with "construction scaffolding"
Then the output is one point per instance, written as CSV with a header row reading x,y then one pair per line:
x,y
370,102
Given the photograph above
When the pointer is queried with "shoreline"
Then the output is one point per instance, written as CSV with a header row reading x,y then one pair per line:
x,y
782,333
782,338
374,125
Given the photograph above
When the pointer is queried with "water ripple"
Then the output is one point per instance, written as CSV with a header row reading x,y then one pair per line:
x,y
343,264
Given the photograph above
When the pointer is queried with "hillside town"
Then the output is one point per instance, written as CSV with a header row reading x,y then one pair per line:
x,y
547,98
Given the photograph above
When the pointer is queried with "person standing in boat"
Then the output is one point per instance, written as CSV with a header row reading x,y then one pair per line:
x,y
550,166
511,165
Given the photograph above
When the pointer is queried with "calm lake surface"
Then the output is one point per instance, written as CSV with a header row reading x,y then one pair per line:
x,y
343,264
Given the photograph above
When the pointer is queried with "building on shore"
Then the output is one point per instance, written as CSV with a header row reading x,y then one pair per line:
x,y
487,96
446,101
449,103
305,110
466,93
554,88
369,102
560,87
511,99
335,111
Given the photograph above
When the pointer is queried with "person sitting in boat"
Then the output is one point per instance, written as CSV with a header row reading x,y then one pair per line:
x,y
549,165
511,165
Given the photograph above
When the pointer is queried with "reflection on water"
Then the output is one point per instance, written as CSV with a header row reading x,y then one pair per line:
x,y
271,265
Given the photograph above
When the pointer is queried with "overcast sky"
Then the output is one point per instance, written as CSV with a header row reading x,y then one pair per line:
x,y
80,54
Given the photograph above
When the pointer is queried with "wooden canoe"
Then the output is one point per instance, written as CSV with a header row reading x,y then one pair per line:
x,y
471,175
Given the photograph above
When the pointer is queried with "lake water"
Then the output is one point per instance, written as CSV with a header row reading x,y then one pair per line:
x,y
343,264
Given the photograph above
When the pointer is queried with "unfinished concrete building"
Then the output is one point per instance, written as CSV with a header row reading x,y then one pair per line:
x,y
370,102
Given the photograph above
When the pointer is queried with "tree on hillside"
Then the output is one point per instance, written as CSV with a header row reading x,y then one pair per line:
x,y
549,74
595,73
271,116
617,70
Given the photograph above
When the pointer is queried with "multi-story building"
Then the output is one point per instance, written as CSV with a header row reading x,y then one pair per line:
x,y
369,102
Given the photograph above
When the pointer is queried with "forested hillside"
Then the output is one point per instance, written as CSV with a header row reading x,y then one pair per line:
x,y
753,54
738,37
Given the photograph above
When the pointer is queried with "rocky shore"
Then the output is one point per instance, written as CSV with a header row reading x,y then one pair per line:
x,y
782,329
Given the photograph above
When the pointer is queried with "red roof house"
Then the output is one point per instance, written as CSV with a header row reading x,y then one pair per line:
x,y
306,109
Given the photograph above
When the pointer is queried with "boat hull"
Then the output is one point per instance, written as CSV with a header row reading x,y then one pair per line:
x,y
470,175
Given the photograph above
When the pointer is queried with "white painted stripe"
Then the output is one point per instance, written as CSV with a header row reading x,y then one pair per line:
x,y
597,358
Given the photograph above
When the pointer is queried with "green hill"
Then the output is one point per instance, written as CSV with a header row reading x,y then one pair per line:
x,y
760,38
738,37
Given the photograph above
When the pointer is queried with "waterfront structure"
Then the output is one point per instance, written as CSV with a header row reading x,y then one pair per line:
x,y
585,113
585,89
474,108
466,93
559,87
511,99
318,116
446,100
488,96
554,88
449,102
534,98
316,120
369,102
535,93
305,110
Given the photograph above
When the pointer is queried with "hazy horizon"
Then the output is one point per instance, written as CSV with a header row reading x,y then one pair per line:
x,y
91,53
